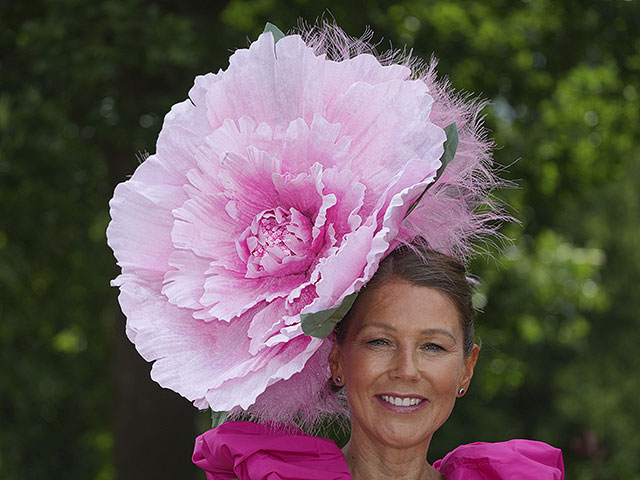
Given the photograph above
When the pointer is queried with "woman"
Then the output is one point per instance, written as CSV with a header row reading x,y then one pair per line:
x,y
276,192
404,353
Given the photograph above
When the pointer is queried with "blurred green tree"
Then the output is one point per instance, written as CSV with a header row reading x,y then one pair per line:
x,y
84,86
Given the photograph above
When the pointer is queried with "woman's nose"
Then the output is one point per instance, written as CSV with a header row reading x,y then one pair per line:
x,y
405,366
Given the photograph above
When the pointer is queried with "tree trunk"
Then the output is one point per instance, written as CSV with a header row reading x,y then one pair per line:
x,y
154,427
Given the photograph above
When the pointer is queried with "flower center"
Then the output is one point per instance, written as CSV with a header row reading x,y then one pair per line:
x,y
277,243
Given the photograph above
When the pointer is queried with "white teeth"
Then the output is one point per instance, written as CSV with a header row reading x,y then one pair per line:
x,y
401,402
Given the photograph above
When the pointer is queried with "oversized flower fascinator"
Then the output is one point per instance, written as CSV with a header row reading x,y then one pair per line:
x,y
275,190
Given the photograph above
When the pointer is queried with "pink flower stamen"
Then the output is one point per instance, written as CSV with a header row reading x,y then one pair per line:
x,y
278,242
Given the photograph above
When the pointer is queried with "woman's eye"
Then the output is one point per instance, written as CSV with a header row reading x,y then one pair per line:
x,y
378,342
433,347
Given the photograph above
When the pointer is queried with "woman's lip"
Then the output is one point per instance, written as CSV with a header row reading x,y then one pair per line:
x,y
397,409
401,395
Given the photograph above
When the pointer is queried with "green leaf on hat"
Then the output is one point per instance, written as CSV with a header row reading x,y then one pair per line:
x,y
218,418
450,147
319,324
275,31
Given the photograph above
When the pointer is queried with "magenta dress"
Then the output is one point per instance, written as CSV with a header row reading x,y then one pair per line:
x,y
250,451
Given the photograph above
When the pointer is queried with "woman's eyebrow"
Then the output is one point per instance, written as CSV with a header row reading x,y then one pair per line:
x,y
379,325
427,331
441,331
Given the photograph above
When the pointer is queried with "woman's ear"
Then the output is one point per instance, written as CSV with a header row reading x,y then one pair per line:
x,y
468,368
335,361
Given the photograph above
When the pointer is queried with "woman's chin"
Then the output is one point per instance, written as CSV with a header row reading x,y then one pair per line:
x,y
401,434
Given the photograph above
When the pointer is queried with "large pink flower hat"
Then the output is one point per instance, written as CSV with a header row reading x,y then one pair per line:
x,y
275,190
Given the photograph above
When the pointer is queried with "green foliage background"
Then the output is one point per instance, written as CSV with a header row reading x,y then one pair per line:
x,y
84,86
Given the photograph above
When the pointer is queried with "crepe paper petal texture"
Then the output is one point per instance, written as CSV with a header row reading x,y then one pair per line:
x,y
275,191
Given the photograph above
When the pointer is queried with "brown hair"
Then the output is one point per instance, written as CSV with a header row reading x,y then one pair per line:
x,y
427,268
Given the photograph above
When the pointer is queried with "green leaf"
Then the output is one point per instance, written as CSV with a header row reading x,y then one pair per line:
x,y
218,418
450,147
319,324
275,31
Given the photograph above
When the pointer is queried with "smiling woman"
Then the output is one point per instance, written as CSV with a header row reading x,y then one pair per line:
x,y
403,376
312,179
401,353
404,353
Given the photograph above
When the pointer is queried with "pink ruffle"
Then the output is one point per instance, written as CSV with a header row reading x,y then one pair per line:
x,y
515,459
250,451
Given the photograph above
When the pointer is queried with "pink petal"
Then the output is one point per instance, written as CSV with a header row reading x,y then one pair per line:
x,y
363,68
305,394
180,346
226,295
139,233
388,124
383,241
360,253
265,323
236,136
338,272
183,286
285,360
302,192
320,143
248,88
205,225
345,214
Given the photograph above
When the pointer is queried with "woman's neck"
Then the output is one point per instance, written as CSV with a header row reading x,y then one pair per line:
x,y
373,461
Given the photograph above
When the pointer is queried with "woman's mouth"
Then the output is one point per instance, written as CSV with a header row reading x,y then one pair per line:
x,y
404,404
401,402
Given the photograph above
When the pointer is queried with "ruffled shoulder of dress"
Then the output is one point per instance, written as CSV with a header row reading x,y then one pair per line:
x,y
250,451
521,459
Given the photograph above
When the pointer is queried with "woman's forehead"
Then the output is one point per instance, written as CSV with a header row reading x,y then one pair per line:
x,y
404,308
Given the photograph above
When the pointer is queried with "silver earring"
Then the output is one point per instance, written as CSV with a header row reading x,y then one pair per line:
x,y
337,381
461,392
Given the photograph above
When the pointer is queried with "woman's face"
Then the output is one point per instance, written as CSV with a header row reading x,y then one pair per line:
x,y
402,363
